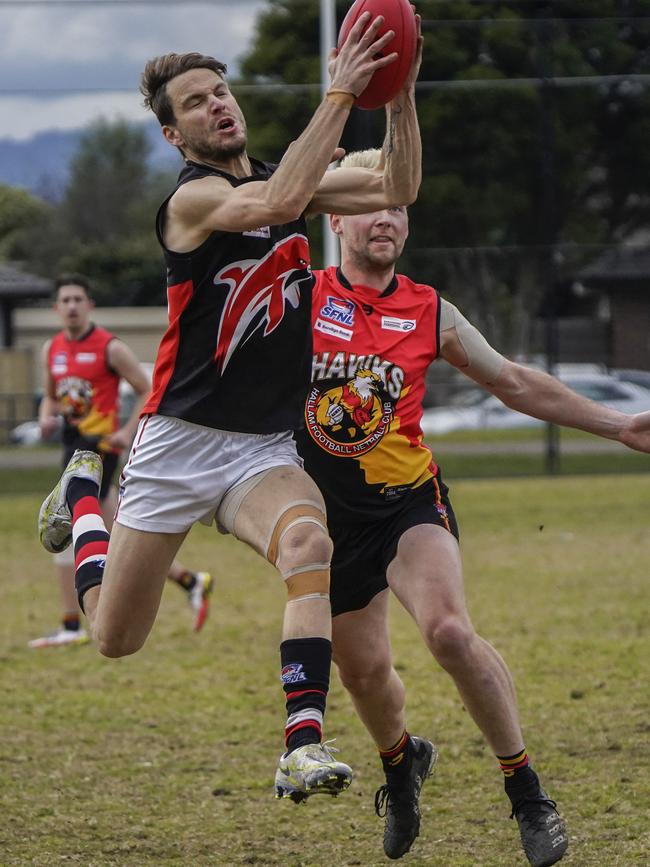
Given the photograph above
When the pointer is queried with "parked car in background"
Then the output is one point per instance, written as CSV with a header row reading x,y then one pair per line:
x,y
637,377
28,433
481,411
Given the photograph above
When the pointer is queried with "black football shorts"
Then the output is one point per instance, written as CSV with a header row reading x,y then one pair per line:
x,y
364,550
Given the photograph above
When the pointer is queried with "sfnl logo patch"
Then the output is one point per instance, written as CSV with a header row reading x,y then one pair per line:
x,y
293,673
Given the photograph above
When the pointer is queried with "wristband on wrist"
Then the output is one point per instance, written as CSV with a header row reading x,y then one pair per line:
x,y
343,98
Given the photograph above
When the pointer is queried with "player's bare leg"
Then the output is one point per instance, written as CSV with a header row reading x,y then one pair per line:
x,y
122,610
283,518
426,576
65,580
71,631
362,652
133,564
197,586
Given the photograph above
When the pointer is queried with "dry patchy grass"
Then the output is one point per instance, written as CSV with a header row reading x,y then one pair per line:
x,y
167,757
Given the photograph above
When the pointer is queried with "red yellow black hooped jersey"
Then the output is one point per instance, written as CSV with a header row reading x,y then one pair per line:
x,y
236,353
362,442
85,386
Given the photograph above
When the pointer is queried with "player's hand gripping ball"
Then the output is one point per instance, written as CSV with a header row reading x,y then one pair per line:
x,y
398,16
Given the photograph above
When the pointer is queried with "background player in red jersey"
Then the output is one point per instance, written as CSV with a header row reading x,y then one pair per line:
x,y
390,518
82,368
215,442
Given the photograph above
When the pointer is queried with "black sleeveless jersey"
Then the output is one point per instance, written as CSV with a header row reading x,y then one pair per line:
x,y
236,354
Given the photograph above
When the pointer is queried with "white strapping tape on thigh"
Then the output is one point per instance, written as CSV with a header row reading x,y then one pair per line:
x,y
231,503
65,558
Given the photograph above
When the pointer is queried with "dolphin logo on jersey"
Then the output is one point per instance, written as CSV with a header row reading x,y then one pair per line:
x,y
258,292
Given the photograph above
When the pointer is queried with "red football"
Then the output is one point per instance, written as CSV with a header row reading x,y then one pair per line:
x,y
398,16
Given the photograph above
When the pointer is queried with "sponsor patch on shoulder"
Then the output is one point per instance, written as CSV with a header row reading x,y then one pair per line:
x,y
333,329
392,323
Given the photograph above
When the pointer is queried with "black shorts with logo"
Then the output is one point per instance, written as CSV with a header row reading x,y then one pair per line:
x,y
109,460
363,551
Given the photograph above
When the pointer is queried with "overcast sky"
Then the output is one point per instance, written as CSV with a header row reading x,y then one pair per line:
x,y
51,48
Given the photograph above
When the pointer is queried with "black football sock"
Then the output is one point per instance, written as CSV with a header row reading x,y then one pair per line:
x,y
519,778
306,666
397,759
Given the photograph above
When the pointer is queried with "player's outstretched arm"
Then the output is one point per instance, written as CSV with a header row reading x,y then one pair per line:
x,y
396,180
402,149
210,204
530,391
536,393
636,432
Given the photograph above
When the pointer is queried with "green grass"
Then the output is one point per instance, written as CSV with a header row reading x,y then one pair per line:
x,y
481,466
514,435
28,480
167,757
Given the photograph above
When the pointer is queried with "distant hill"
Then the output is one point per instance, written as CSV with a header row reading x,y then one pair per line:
x,y
41,164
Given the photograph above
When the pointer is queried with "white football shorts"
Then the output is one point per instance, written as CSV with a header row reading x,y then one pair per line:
x,y
179,473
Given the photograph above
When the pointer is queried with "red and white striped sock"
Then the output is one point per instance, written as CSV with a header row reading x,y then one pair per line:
x,y
90,539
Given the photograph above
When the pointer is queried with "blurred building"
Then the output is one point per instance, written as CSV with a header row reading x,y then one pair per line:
x,y
620,279
140,327
16,362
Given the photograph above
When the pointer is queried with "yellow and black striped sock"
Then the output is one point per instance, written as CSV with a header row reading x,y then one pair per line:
x,y
396,759
519,777
510,765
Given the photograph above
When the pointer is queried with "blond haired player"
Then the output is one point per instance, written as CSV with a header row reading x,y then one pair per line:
x,y
389,513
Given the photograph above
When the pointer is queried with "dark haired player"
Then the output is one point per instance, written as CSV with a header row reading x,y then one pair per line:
x,y
215,443
82,368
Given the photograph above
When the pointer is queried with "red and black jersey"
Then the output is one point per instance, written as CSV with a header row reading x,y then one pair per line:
x,y
236,353
85,386
362,443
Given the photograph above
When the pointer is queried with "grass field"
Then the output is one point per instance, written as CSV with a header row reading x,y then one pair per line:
x,y
167,757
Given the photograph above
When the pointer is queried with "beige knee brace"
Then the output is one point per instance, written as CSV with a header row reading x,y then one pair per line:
x,y
311,580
